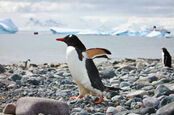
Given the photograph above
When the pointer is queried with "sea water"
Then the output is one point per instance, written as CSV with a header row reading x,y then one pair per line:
x,y
43,48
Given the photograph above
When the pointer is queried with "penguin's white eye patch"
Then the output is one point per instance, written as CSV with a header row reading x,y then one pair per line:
x,y
70,35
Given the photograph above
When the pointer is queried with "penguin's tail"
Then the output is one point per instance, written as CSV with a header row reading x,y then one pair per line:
x,y
112,89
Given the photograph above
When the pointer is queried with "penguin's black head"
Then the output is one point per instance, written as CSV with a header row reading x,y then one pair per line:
x,y
73,40
164,49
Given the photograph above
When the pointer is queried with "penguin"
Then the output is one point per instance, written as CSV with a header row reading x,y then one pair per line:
x,y
166,58
83,69
25,65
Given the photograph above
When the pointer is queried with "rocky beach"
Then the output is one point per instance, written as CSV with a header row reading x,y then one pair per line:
x,y
147,87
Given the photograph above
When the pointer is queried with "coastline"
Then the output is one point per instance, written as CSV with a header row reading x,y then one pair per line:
x,y
142,82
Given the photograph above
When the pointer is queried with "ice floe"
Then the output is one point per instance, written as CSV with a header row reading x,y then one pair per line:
x,y
124,32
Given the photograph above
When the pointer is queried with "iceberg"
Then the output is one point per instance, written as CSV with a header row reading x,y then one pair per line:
x,y
64,31
7,26
78,31
155,34
121,32
145,33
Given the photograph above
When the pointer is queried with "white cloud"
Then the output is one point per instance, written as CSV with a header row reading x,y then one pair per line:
x,y
101,14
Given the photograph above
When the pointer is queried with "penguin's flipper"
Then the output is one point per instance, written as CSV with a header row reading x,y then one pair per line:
x,y
95,79
93,75
101,56
97,53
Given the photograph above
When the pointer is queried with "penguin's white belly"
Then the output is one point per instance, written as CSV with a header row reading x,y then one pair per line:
x,y
163,58
77,68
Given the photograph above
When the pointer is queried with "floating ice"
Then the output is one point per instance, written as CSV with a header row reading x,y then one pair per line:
x,y
155,34
124,32
64,31
7,26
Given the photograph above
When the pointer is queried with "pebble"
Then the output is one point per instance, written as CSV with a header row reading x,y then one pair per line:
x,y
146,87
16,77
107,74
166,100
162,90
151,102
111,110
137,93
166,110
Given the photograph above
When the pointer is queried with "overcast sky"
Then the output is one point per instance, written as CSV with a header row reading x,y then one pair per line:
x,y
90,14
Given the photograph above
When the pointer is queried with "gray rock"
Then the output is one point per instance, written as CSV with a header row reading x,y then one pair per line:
x,y
120,108
136,105
33,81
162,90
166,100
152,78
9,108
79,111
133,114
142,81
16,77
140,65
133,102
147,110
134,111
124,84
34,106
99,114
137,93
166,110
111,110
2,69
5,83
109,95
107,74
116,98
127,67
150,102
146,88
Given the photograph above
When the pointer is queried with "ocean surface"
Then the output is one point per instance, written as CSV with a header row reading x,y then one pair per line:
x,y
43,48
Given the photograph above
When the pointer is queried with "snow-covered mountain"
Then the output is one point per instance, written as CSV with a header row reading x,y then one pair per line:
x,y
45,23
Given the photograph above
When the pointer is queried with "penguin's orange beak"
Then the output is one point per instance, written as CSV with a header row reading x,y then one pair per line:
x,y
60,39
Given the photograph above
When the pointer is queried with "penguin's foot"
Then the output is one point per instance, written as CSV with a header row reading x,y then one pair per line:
x,y
100,99
75,98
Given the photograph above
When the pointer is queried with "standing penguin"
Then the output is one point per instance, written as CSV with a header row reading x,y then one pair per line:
x,y
166,58
83,69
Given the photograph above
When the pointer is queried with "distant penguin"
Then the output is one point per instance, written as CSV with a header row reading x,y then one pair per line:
x,y
166,58
27,64
83,69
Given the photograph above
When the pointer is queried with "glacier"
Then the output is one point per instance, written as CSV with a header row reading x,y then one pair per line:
x,y
124,32
7,26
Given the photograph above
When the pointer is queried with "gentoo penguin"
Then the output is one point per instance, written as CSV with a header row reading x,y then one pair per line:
x,y
83,69
166,58
26,64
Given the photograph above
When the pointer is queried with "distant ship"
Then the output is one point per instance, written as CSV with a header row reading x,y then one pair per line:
x,y
36,33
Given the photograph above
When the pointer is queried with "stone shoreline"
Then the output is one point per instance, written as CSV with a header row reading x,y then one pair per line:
x,y
147,87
